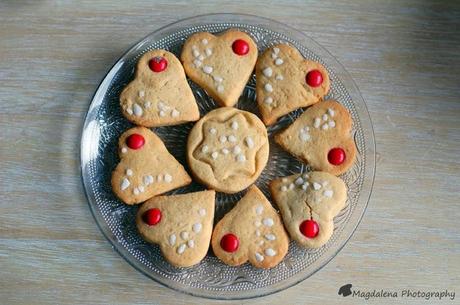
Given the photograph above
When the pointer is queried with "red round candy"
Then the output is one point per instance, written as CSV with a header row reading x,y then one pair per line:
x,y
152,216
314,78
158,64
240,47
309,228
135,141
229,242
336,156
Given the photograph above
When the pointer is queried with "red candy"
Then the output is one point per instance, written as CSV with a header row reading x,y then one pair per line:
x,y
309,228
240,47
152,216
229,242
336,156
314,78
135,141
158,64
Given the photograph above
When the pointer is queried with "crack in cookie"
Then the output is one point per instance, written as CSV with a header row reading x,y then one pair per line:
x,y
308,203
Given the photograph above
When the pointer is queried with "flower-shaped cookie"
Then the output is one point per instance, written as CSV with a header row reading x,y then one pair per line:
x,y
159,95
321,137
286,81
220,64
252,231
180,224
228,149
308,203
146,167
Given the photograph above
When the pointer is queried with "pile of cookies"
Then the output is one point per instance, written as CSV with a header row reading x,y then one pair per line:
x,y
228,148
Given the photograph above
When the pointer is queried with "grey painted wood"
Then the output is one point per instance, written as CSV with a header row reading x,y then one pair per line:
x,y
404,57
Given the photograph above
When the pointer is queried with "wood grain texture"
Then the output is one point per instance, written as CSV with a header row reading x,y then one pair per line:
x,y
404,57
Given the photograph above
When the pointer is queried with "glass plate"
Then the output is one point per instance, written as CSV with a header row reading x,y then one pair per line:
x,y
104,123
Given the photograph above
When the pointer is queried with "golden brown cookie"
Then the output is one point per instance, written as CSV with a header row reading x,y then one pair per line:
x,y
159,95
220,64
308,203
146,167
321,137
228,149
286,81
252,231
180,224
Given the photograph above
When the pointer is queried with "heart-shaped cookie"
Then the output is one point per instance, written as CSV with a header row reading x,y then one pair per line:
x,y
180,224
220,64
146,167
321,137
286,81
252,231
308,203
159,95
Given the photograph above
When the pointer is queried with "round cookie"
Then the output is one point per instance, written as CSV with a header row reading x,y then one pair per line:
x,y
221,64
228,149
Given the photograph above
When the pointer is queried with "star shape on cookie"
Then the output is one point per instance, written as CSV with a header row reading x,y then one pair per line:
x,y
220,144
225,145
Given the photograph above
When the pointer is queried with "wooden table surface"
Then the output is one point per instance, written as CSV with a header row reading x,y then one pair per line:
x,y
404,57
